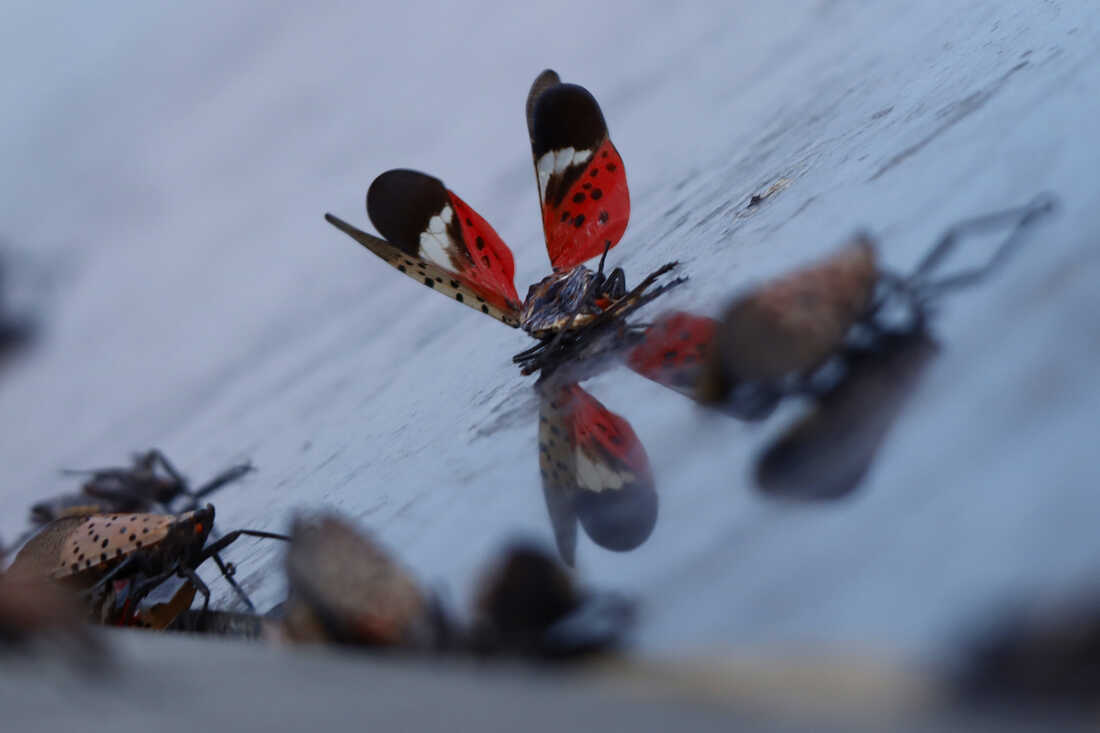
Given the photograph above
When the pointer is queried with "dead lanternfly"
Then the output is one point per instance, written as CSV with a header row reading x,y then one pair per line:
x,y
529,605
434,237
346,589
780,338
90,553
152,482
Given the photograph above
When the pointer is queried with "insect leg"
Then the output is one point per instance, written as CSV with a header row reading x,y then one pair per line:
x,y
186,572
1019,219
637,297
138,593
139,561
228,476
154,456
615,286
229,578
216,547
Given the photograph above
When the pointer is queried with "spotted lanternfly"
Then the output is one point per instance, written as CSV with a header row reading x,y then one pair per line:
x,y
595,470
528,604
90,553
434,237
786,336
345,588
151,483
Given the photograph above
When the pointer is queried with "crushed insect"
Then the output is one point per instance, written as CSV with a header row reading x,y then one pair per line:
x,y
431,235
151,483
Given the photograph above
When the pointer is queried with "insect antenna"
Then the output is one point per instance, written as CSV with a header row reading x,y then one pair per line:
x,y
227,573
153,458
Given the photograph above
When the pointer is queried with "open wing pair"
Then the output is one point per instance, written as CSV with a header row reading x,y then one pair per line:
x,y
434,237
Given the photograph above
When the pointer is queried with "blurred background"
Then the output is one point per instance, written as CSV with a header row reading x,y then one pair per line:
x,y
167,168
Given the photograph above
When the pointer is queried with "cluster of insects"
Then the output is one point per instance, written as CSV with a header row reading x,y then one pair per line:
x,y
844,333
344,588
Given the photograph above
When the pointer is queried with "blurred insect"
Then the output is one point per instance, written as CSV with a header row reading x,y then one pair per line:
x,y
594,470
30,610
16,331
1038,654
434,237
790,336
346,589
826,453
849,335
152,482
91,553
527,604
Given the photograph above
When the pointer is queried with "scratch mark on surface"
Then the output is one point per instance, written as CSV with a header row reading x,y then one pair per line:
x,y
952,114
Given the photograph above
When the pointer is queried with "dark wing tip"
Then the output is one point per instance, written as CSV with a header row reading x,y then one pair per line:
x,y
400,202
548,78
563,116
619,520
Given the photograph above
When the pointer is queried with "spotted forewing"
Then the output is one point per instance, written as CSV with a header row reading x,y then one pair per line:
x,y
434,237
581,181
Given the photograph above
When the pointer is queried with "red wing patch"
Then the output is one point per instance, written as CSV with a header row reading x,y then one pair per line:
x,y
615,497
609,455
581,180
673,349
479,252
434,237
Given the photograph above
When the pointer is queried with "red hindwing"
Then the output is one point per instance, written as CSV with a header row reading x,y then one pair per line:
x,y
581,180
672,350
480,254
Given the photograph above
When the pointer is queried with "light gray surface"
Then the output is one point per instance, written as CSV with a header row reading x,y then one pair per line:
x,y
171,683
176,163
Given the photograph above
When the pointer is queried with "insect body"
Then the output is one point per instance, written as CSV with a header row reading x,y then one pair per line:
x,y
345,588
433,236
151,482
92,552
527,604
786,336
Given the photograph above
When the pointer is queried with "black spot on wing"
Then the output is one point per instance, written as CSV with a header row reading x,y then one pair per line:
x,y
400,203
